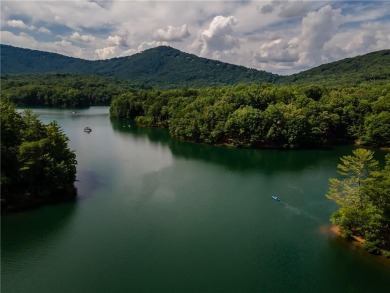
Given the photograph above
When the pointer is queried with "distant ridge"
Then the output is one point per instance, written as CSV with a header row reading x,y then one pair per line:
x,y
368,67
166,67
160,67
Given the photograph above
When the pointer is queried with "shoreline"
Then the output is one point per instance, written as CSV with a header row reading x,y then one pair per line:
x,y
336,230
358,242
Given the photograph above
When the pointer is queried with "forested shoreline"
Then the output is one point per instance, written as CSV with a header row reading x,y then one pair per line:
x,y
265,115
64,90
37,166
246,115
362,192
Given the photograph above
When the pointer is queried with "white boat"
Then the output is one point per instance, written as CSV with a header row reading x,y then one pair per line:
x,y
275,198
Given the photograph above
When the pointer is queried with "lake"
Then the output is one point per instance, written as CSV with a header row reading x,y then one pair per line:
x,y
155,214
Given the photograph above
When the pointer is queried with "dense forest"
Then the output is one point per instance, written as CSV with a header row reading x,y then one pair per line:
x,y
37,165
168,68
63,90
266,115
161,67
373,66
363,195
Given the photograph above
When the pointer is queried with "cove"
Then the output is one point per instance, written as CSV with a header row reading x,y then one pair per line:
x,y
155,214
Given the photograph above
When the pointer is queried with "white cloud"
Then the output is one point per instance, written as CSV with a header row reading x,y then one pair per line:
x,y
20,24
44,30
172,34
148,45
269,35
116,41
219,37
82,38
278,51
20,40
108,52
368,37
318,27
25,40
129,52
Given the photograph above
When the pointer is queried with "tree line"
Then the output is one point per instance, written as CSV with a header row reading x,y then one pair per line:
x,y
63,90
37,165
265,115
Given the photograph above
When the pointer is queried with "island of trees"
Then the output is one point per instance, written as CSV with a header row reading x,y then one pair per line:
x,y
37,165
362,193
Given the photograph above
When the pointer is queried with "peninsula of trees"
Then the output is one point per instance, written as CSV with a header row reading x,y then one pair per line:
x,y
266,115
37,165
362,193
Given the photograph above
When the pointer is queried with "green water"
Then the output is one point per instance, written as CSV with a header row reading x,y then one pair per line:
x,y
160,215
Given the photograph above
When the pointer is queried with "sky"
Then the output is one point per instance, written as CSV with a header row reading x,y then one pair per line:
x,y
279,36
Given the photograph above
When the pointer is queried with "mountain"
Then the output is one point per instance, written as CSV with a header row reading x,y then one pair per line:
x,y
17,61
166,67
160,67
368,67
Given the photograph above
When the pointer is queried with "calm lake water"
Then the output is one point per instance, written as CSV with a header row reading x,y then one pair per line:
x,y
160,215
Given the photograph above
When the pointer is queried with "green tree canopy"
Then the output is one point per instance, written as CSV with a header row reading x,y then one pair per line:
x,y
362,194
37,164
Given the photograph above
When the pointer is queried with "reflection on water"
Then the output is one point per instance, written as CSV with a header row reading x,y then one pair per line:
x,y
40,228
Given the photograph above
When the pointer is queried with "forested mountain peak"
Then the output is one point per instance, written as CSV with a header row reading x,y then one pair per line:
x,y
162,67
167,67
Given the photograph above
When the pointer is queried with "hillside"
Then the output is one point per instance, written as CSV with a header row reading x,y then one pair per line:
x,y
20,61
368,67
165,67
161,67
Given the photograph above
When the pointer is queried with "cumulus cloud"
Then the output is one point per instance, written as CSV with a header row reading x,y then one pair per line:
x,y
278,51
318,27
25,40
82,38
148,45
218,37
308,47
172,34
116,41
108,52
368,37
279,36
129,52
20,24
44,30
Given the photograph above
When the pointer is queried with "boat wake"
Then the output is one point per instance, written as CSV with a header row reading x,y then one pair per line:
x,y
296,211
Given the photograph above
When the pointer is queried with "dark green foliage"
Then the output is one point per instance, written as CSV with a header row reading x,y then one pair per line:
x,y
370,67
377,128
165,67
161,67
37,165
264,115
63,90
363,197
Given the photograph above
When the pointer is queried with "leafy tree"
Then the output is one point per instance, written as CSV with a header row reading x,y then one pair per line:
x,y
37,164
363,197
377,127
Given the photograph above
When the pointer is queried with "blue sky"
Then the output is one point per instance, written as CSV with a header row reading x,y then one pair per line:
x,y
279,36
